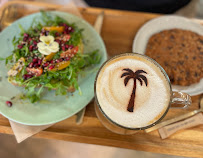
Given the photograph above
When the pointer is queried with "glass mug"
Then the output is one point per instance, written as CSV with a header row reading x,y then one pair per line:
x,y
133,92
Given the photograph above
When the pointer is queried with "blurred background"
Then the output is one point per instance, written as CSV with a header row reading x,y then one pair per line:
x,y
43,148
188,8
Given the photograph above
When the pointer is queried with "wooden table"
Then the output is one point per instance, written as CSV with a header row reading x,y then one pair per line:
x,y
118,31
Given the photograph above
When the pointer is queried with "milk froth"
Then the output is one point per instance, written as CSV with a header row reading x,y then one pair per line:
x,y
151,100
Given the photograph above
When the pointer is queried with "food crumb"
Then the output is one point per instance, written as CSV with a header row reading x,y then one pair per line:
x,y
9,103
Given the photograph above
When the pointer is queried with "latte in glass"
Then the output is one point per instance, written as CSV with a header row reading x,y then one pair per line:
x,y
132,91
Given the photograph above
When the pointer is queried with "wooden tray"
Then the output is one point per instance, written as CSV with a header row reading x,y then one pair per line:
x,y
118,31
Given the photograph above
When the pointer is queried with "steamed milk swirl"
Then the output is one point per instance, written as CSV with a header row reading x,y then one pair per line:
x,y
151,99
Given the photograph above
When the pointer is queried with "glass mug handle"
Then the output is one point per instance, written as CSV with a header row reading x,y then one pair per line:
x,y
181,98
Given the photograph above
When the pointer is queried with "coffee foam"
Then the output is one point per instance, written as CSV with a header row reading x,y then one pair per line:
x,y
151,101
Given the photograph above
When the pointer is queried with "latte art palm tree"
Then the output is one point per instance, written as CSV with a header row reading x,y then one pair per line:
x,y
137,75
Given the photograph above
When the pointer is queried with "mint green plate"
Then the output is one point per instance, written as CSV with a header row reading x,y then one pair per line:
x,y
51,108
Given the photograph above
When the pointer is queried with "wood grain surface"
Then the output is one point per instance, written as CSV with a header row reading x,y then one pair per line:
x,y
118,31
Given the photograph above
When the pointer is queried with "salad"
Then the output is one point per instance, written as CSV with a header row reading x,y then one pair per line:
x,y
49,55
